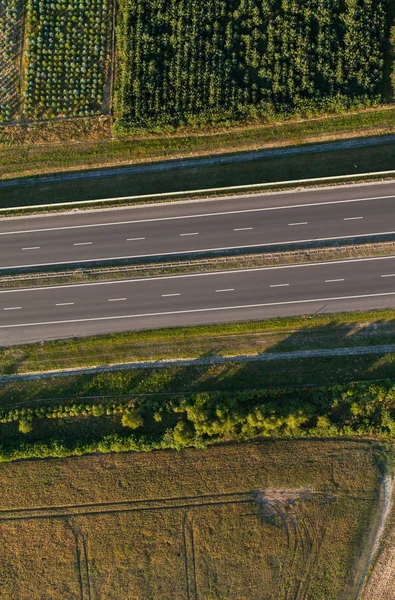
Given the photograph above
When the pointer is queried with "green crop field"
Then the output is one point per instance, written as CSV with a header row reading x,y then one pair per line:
x,y
193,63
273,520
218,60
10,44
66,57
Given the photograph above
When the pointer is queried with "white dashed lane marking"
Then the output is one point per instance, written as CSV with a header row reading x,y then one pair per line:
x,y
169,295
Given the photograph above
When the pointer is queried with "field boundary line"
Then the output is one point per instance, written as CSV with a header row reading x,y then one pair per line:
x,y
212,360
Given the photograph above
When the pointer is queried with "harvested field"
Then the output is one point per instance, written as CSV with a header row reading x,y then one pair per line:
x,y
273,520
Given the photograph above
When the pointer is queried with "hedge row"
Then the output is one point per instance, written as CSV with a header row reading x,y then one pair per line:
x,y
358,409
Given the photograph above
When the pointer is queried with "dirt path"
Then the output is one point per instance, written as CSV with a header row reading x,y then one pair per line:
x,y
381,583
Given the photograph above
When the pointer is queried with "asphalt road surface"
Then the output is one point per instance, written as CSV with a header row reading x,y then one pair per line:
x,y
184,227
63,311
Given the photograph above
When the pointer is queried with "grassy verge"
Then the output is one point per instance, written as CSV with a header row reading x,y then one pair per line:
x,y
272,335
33,158
120,515
320,164
45,277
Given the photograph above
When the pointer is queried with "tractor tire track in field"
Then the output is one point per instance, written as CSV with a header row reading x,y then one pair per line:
x,y
81,560
189,553
64,511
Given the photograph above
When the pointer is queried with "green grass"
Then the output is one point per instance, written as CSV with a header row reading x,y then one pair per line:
x,y
201,378
271,335
339,162
132,517
34,158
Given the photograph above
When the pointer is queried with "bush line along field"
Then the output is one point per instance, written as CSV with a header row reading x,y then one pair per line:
x,y
292,519
81,424
215,61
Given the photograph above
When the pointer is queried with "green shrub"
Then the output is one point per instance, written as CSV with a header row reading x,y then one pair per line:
x,y
25,426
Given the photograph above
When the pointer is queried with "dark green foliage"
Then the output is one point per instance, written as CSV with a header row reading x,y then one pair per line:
x,y
10,32
360,409
207,61
66,57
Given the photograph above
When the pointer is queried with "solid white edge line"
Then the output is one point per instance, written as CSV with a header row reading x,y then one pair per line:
x,y
208,274
197,310
179,252
196,216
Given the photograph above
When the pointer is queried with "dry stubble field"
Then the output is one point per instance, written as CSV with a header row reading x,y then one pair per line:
x,y
269,520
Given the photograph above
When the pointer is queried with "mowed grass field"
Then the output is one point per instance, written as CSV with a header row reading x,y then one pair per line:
x,y
273,520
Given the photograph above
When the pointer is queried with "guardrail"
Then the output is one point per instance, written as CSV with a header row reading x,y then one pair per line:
x,y
130,268
246,187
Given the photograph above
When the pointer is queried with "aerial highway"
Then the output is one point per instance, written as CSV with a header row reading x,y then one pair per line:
x,y
62,311
179,228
